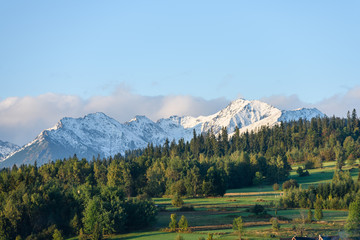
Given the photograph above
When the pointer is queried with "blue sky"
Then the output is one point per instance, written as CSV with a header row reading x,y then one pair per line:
x,y
291,53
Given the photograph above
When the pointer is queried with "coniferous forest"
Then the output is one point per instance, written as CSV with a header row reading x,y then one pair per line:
x,y
89,196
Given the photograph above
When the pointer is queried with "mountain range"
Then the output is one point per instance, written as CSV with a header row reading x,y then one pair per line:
x,y
97,134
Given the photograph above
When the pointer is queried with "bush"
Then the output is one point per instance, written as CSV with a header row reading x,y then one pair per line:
x,y
302,173
292,183
276,186
309,165
257,209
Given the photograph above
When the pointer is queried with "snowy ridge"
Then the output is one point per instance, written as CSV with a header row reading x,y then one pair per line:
x,y
6,149
98,134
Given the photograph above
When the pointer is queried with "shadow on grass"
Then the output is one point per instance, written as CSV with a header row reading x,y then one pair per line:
x,y
141,235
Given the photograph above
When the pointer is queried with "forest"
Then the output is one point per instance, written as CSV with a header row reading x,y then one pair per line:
x,y
97,196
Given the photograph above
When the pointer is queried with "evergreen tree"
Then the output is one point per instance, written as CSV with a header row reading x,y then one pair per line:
x,y
318,209
353,220
310,216
340,157
183,224
275,224
92,214
173,222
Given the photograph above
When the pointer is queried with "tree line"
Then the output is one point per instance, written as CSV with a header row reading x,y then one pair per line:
x,y
337,194
64,198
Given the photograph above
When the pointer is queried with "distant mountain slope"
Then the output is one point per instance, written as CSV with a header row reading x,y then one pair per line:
x,y
6,148
97,134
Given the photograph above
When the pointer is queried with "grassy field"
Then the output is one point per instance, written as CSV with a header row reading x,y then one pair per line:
x,y
215,215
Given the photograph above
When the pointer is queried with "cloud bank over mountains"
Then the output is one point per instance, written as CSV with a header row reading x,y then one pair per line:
x,y
23,118
337,105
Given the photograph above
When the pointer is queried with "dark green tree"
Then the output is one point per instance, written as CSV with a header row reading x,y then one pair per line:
x,y
92,215
173,222
310,216
318,209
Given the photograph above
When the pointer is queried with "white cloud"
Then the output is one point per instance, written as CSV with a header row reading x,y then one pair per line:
x,y
22,119
337,105
285,102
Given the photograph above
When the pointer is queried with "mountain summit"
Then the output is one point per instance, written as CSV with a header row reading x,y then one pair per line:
x,y
98,134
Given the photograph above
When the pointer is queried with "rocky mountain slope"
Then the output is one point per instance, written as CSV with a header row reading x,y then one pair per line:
x,y
7,148
97,134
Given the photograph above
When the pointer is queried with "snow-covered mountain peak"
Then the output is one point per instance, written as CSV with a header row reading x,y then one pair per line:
x,y
7,148
98,116
91,117
95,121
141,118
303,113
240,113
